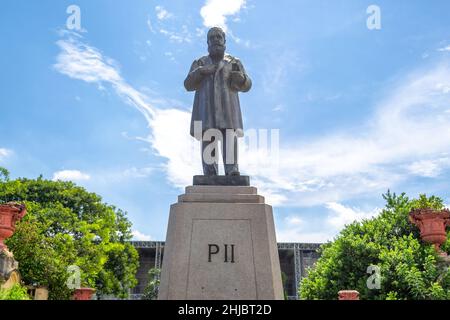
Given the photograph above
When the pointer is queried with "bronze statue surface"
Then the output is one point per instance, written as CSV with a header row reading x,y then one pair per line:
x,y
216,79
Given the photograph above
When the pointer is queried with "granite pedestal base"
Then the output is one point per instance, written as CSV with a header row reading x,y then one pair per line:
x,y
9,274
221,245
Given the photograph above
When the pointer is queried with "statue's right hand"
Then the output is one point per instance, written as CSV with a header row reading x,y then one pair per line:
x,y
207,70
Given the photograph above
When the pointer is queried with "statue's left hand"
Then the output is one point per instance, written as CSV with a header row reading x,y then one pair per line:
x,y
237,77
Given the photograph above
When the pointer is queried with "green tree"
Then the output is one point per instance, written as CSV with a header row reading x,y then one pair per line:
x,y
425,202
409,268
65,226
4,174
152,288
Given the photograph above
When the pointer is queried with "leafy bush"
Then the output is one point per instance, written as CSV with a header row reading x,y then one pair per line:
x,y
423,202
409,268
152,288
17,292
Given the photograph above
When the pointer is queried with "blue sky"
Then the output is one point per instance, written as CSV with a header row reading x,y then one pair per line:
x,y
359,111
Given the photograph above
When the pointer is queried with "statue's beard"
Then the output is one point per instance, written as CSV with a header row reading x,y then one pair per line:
x,y
216,50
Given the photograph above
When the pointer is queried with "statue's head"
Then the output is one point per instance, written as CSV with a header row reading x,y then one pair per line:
x,y
216,41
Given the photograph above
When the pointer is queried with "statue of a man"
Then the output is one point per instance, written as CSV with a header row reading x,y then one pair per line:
x,y
216,80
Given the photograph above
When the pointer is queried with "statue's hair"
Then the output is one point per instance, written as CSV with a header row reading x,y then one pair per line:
x,y
213,29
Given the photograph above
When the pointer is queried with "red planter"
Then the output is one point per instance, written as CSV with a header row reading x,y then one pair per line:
x,y
10,213
83,294
348,295
432,225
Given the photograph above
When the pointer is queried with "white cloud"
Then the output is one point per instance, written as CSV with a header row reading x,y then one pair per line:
x,y
215,12
80,61
138,236
110,177
410,125
162,13
429,168
296,228
447,48
245,43
170,139
86,63
170,56
199,32
4,153
137,172
342,215
169,136
150,25
278,107
180,37
177,34
278,68
70,175
294,220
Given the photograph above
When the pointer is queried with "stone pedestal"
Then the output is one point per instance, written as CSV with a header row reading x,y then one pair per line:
x,y
221,245
41,293
222,181
9,274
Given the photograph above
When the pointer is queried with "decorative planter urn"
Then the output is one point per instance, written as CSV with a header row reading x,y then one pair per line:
x,y
10,213
83,294
432,225
348,295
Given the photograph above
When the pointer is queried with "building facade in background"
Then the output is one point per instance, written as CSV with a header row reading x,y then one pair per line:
x,y
295,259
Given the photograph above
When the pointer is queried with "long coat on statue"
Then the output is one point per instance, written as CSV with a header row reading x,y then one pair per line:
x,y
216,102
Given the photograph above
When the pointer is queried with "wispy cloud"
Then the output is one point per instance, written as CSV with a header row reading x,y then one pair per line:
x,y
215,12
111,179
278,68
341,215
177,36
138,172
169,55
299,229
162,13
165,23
408,127
179,30
83,62
138,236
4,153
410,124
429,168
169,127
71,175
443,49
150,25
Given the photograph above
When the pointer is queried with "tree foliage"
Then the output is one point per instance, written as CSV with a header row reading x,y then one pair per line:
x,y
66,225
16,292
4,174
425,202
152,288
409,268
